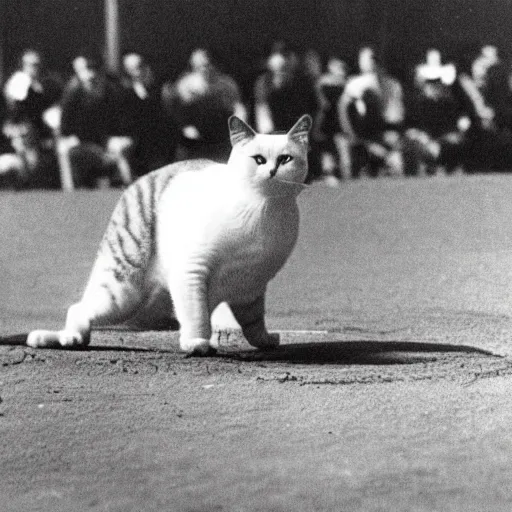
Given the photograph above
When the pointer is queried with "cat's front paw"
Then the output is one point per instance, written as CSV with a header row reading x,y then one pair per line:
x,y
43,339
196,347
55,339
69,339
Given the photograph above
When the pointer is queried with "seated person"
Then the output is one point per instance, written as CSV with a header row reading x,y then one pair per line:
x,y
30,164
27,141
143,116
200,103
371,113
438,120
11,164
328,132
29,92
282,93
94,142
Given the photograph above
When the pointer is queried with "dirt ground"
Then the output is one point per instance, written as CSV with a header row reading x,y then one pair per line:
x,y
390,390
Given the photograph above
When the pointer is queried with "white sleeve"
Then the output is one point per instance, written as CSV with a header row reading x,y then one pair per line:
x,y
17,87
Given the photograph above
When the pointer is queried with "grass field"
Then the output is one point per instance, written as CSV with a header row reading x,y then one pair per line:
x,y
394,397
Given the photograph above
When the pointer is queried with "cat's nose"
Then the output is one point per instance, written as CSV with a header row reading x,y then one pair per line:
x,y
273,172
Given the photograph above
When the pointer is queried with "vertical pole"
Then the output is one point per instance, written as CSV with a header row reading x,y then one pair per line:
x,y
384,31
3,41
112,39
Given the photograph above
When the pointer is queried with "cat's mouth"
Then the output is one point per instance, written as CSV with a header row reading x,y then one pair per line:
x,y
287,187
277,187
289,182
273,173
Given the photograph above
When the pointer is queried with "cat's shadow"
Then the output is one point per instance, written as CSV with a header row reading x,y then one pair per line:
x,y
362,352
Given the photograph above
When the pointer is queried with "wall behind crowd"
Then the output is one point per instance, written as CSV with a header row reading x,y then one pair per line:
x,y
240,32
56,27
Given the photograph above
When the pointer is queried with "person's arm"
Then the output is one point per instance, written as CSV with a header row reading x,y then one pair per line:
x,y
344,117
67,139
16,89
241,111
483,112
233,97
70,117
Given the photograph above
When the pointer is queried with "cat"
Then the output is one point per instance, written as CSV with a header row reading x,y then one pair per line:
x,y
194,234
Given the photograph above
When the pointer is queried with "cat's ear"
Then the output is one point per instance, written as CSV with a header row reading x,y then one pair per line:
x,y
300,130
239,131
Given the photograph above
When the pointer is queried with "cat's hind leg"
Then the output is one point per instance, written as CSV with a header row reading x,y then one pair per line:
x,y
251,318
100,305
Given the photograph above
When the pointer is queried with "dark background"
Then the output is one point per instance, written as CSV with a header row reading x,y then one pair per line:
x,y
241,32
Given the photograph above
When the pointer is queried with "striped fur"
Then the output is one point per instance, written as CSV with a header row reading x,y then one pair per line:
x,y
129,240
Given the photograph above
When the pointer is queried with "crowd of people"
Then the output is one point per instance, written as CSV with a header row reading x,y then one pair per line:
x,y
96,129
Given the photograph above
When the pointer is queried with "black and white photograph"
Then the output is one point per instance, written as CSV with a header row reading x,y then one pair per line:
x,y
255,255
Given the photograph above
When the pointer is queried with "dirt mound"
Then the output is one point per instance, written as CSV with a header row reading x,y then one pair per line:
x,y
304,358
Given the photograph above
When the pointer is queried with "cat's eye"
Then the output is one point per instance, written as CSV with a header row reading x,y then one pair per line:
x,y
284,159
260,160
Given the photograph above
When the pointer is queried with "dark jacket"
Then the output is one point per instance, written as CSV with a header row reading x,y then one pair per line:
x,y
93,116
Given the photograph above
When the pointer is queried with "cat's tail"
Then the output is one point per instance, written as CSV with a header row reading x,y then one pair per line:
x,y
14,339
20,340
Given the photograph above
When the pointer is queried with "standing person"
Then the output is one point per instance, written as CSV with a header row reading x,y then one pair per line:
x,y
94,140
143,116
328,132
284,93
200,103
371,112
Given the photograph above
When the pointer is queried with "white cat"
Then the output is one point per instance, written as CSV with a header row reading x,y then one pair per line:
x,y
203,232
